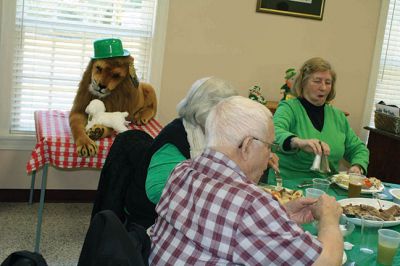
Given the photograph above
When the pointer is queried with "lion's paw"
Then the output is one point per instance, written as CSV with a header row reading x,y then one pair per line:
x,y
87,148
96,132
141,120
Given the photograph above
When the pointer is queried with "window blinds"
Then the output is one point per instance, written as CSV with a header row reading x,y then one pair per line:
x,y
54,43
388,81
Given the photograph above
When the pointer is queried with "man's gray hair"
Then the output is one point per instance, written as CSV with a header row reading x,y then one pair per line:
x,y
234,119
202,96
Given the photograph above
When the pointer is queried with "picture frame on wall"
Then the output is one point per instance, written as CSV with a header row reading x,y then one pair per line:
x,y
313,9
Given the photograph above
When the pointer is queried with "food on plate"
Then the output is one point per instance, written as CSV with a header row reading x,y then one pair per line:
x,y
360,210
283,195
368,182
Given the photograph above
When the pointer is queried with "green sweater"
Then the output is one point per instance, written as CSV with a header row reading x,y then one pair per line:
x,y
291,118
161,165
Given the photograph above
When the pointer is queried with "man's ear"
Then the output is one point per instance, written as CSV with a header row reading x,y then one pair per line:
x,y
245,149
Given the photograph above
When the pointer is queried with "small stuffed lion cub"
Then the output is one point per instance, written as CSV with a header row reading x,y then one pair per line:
x,y
98,116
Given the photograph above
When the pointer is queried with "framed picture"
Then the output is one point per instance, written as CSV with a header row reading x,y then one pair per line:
x,y
313,9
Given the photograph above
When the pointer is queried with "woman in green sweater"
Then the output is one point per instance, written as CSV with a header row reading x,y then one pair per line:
x,y
309,125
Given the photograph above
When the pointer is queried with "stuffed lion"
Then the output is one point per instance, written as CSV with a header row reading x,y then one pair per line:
x,y
110,77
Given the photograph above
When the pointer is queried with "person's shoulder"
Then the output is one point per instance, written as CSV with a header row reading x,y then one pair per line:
x,y
174,124
290,105
336,111
255,194
294,102
173,128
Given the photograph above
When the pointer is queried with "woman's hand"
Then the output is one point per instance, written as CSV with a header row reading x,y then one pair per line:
x,y
355,169
274,162
300,210
311,145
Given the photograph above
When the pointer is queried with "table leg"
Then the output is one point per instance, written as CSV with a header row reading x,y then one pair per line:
x,y
32,187
41,206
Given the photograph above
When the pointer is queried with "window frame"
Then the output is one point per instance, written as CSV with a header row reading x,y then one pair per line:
x,y
370,97
11,141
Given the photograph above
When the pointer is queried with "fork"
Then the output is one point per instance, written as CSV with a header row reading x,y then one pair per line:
x,y
278,180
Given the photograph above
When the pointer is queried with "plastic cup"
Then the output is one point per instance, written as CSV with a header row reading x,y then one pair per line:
x,y
320,183
314,192
355,184
388,242
345,227
369,233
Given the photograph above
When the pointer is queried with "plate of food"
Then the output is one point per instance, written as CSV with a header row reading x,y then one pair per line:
x,y
354,208
283,195
370,184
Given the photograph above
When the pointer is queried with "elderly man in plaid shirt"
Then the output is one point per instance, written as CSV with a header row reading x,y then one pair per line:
x,y
211,211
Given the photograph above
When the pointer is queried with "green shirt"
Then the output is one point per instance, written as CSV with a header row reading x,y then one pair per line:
x,y
161,165
291,119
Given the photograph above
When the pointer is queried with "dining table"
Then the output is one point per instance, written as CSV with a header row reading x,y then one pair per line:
x,y
354,256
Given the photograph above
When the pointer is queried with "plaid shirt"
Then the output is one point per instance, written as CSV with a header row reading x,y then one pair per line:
x,y
210,213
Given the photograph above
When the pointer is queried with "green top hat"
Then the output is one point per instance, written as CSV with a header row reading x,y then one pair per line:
x,y
106,48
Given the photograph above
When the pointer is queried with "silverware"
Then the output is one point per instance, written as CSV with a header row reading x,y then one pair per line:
x,y
321,162
324,161
278,180
377,197
304,185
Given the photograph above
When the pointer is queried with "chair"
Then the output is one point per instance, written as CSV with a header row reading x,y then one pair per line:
x,y
108,243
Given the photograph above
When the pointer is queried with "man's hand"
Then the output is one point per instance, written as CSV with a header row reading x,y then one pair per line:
x,y
299,210
327,209
274,162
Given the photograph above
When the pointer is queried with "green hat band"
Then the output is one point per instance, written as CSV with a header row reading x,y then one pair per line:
x,y
107,48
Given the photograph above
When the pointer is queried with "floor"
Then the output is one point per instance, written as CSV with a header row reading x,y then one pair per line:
x,y
63,230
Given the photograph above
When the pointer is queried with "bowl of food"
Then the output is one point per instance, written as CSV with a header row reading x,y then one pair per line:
x,y
395,192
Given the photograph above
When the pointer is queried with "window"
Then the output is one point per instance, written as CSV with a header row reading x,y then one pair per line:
x,y
52,42
388,77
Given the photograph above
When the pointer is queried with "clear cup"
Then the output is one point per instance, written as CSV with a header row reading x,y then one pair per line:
x,y
321,183
345,226
355,184
369,233
388,243
314,192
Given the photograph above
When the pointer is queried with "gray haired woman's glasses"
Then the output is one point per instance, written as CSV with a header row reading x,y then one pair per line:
x,y
273,146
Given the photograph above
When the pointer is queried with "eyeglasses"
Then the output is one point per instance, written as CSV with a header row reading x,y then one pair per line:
x,y
273,146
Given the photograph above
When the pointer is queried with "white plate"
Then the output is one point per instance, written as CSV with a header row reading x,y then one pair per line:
x,y
344,258
271,187
363,190
371,202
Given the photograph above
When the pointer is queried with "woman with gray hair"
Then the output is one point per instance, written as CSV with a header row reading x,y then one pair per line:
x,y
183,138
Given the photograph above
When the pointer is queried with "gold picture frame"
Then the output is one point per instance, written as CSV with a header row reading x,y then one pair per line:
x,y
313,9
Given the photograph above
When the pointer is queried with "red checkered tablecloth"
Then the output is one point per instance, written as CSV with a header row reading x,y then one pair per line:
x,y
55,144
